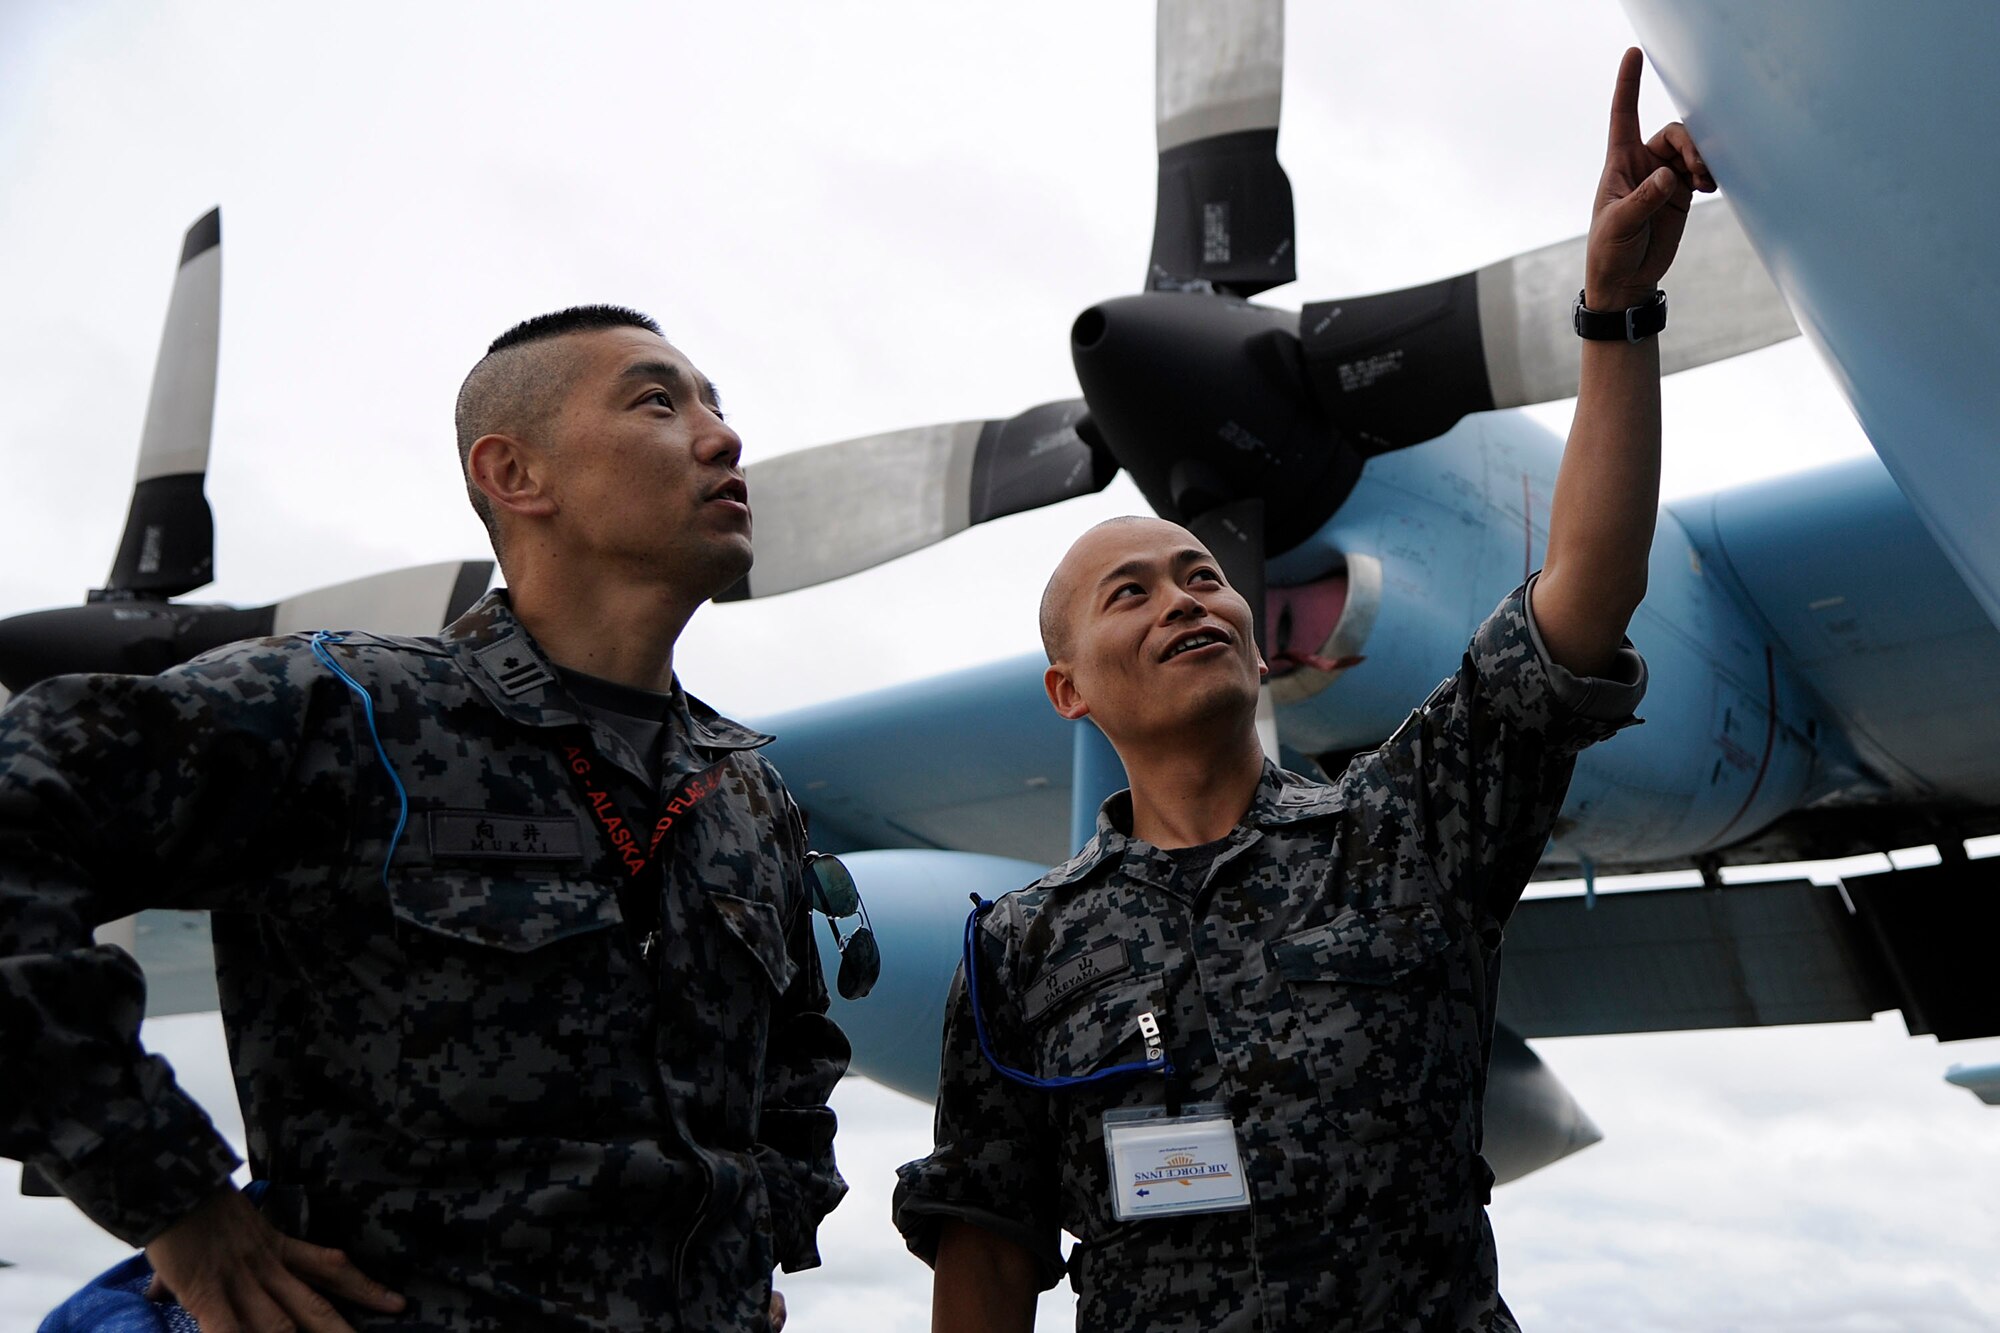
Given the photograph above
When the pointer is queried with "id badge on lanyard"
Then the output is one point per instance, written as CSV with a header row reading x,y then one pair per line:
x,y
1168,1164
1164,1160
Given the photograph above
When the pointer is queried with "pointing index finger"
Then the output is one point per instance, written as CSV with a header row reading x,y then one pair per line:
x,y
1625,101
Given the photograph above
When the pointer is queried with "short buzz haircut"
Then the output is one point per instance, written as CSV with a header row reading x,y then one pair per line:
x,y
518,385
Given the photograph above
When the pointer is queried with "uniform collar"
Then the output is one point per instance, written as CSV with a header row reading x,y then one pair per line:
x,y
502,659
1282,798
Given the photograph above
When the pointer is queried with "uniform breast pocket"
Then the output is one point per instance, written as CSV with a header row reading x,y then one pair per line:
x,y
1094,1034
1369,1016
1088,1032
753,968
760,935
510,1001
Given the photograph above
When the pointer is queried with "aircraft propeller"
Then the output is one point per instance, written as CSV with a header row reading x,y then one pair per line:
x,y
1248,423
1207,399
168,547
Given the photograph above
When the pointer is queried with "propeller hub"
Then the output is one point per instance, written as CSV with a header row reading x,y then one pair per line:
x,y
1205,401
132,637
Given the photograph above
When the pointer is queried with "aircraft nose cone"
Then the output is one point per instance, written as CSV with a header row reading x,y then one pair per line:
x,y
1204,400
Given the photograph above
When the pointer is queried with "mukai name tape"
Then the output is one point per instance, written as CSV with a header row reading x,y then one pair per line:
x,y
483,835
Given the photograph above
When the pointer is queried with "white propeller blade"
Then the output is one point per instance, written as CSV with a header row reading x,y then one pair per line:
x,y
1720,303
168,547
837,509
1223,217
181,412
1219,69
418,600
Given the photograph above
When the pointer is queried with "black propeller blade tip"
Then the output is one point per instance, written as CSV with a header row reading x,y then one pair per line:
x,y
203,236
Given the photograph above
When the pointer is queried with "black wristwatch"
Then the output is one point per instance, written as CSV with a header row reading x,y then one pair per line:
x,y
1630,325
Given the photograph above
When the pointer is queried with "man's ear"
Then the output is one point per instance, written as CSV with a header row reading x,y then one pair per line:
x,y
1063,693
511,473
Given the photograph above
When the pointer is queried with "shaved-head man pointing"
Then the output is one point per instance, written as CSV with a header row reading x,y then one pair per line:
x,y
1237,1046
1146,639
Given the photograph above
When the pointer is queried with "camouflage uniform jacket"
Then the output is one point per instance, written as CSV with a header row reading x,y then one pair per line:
x,y
455,1067
1331,981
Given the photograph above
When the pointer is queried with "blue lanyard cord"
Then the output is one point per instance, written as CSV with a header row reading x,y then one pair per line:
x,y
319,642
980,907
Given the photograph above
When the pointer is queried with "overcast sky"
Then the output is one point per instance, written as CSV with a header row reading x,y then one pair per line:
x,y
856,218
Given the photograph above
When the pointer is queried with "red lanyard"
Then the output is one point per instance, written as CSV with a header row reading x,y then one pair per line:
x,y
622,833
640,902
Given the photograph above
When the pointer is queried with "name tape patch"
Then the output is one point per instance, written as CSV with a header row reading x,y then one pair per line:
x,y
1106,960
483,835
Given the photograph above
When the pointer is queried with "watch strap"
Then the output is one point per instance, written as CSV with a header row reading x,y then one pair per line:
x,y
1630,325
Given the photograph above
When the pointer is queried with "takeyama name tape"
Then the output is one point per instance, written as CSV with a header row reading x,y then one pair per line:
x,y
1106,960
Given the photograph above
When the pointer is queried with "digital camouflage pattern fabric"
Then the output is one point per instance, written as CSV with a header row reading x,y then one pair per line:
x,y
1330,979
456,1068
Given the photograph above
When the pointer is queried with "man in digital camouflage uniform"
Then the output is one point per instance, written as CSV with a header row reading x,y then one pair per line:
x,y
1319,964
465,1070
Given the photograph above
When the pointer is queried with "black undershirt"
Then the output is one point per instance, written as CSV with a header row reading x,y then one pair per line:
x,y
1192,864
640,716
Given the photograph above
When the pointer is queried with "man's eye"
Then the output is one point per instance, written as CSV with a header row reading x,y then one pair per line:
x,y
662,397
1205,574
1124,588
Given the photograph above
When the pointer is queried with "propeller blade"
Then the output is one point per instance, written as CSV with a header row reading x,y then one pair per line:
x,y
823,513
169,542
417,600
1530,1118
1722,303
142,637
1223,217
1402,367
1234,534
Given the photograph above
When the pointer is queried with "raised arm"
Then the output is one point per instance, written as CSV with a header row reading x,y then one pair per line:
x,y
1608,491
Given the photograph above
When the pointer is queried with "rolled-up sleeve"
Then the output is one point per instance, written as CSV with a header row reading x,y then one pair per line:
x,y
1481,769
994,1162
1612,698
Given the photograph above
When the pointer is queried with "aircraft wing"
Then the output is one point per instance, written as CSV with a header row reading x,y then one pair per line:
x,y
1757,955
1751,955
